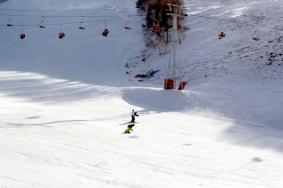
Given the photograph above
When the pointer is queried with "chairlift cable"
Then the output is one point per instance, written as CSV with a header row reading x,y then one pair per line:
x,y
52,10
64,16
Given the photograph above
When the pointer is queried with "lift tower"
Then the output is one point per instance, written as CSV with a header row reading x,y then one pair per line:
x,y
174,71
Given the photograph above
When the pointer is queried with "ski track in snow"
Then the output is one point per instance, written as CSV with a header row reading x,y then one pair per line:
x,y
63,103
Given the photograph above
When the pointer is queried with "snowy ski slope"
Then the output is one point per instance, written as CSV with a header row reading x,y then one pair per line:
x,y
63,102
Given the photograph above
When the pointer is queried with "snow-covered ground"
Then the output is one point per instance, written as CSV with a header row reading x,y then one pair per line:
x,y
63,102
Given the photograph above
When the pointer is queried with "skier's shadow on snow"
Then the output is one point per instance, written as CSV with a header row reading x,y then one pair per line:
x,y
33,117
257,159
133,137
45,124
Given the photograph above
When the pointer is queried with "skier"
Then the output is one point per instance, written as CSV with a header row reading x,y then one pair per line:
x,y
129,129
131,124
133,114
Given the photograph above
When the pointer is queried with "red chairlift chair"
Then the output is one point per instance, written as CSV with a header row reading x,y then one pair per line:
x,y
23,36
9,22
62,35
221,35
106,32
41,24
81,26
156,28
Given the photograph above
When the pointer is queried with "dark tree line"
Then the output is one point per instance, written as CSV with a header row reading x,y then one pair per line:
x,y
156,12
2,1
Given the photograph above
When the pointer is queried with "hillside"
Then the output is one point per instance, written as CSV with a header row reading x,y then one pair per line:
x,y
64,102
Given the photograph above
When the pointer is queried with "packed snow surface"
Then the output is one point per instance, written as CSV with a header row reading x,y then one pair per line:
x,y
64,103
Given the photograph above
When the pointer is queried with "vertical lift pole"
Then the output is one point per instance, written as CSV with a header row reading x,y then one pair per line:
x,y
174,68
